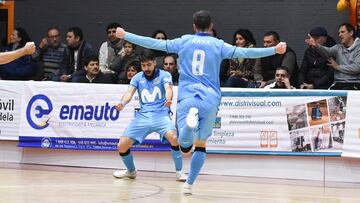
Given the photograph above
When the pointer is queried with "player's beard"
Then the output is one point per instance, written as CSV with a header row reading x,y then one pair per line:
x,y
152,76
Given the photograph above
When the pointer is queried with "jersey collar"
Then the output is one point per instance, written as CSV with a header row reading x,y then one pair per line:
x,y
202,34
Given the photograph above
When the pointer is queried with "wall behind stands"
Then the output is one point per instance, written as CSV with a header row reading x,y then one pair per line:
x,y
292,19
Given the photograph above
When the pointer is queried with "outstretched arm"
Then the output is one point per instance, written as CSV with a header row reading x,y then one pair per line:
x,y
7,57
126,98
146,42
259,52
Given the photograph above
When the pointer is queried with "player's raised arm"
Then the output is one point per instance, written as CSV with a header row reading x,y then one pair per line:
x,y
146,42
126,98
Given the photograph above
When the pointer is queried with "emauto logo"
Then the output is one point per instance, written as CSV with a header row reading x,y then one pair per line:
x,y
38,110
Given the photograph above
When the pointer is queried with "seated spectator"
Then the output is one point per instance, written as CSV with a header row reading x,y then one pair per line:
x,y
93,73
109,53
314,72
281,79
343,58
127,56
170,65
50,54
240,72
78,50
159,34
21,68
267,66
132,69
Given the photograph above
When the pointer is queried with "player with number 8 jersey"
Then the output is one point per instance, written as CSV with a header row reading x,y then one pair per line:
x,y
199,93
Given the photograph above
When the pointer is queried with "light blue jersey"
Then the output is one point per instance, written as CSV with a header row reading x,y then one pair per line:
x,y
152,95
200,56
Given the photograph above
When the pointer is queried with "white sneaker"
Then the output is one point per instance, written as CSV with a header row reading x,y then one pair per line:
x,y
192,118
124,174
186,189
180,176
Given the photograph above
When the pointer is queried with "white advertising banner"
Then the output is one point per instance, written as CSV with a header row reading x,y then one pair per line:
x,y
10,107
251,121
352,139
279,121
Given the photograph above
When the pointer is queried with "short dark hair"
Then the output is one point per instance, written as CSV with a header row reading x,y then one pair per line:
x,y
283,68
90,58
202,19
77,32
112,25
132,44
136,64
349,28
274,34
147,55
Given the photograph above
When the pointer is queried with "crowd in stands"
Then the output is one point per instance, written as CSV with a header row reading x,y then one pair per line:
x,y
325,65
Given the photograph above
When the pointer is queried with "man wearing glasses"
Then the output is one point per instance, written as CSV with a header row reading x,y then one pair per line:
x,y
50,54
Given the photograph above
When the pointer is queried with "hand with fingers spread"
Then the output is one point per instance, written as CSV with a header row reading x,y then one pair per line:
x,y
333,64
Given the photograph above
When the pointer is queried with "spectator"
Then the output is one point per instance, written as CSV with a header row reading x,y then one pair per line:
x,y
240,72
347,64
78,50
132,69
170,65
109,53
21,68
281,79
314,72
50,54
127,56
267,66
159,34
354,12
93,73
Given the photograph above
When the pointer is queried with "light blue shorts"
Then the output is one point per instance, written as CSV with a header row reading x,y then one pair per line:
x,y
145,123
207,116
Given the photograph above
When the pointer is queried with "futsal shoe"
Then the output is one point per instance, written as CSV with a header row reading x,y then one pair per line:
x,y
192,118
181,176
124,174
186,189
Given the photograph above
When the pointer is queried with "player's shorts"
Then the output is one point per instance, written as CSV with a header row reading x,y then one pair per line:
x,y
207,116
146,123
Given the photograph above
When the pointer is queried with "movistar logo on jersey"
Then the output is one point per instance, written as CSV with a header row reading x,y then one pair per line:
x,y
89,112
146,96
38,110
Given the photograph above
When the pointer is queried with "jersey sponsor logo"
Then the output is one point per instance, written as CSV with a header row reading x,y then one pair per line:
x,y
146,96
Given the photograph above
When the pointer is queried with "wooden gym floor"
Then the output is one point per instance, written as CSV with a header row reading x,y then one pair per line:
x,y
23,183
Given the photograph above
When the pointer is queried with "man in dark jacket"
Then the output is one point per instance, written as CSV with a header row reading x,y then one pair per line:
x,y
314,72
